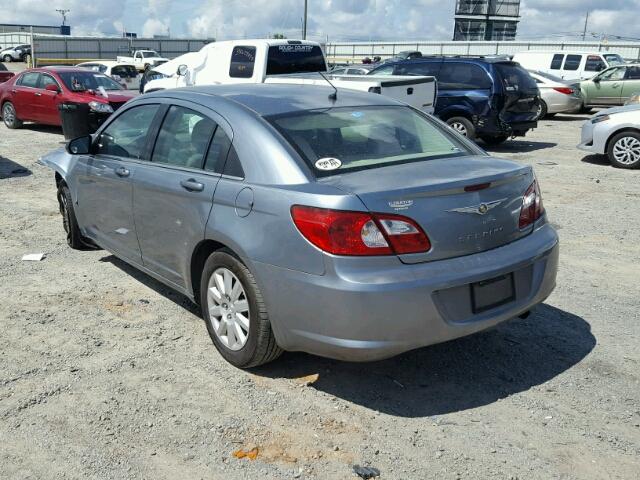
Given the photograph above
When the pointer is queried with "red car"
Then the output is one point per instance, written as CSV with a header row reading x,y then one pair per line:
x,y
4,73
34,94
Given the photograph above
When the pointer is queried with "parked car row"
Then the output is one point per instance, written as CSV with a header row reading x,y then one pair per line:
x,y
15,54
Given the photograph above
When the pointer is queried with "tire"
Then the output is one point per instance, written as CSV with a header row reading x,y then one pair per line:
x,y
256,345
624,150
10,117
7,59
497,140
74,238
543,110
463,126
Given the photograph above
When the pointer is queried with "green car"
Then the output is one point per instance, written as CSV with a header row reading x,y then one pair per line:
x,y
613,86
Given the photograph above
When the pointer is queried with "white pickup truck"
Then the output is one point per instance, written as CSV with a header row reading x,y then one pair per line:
x,y
283,61
143,59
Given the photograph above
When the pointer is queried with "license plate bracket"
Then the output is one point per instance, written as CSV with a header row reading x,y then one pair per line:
x,y
492,293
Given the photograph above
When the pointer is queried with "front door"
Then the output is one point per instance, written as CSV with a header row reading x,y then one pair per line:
x,y
631,84
105,187
606,88
173,194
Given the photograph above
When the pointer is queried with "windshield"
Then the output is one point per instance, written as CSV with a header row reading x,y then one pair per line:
x,y
339,140
82,81
295,58
613,59
515,77
149,53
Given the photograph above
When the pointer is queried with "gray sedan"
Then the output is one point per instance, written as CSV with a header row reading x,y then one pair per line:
x,y
349,226
557,95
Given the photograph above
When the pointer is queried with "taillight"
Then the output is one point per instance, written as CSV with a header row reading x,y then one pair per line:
x,y
565,90
532,208
341,232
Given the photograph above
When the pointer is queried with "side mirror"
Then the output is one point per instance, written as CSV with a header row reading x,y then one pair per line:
x,y
182,70
596,80
80,145
52,88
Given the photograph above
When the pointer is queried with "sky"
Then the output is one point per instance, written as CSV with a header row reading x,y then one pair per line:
x,y
337,20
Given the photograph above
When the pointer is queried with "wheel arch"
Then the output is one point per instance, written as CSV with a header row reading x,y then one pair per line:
x,y
201,252
618,132
455,112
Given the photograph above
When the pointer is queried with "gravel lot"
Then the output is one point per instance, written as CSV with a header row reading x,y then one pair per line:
x,y
105,373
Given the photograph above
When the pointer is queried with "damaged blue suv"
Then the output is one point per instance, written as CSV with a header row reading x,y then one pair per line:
x,y
480,97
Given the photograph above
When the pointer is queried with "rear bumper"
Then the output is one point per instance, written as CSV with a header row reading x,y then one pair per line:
x,y
564,104
358,314
493,126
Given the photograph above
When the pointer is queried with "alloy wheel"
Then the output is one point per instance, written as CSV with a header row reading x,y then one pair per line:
x,y
228,308
627,150
8,114
459,127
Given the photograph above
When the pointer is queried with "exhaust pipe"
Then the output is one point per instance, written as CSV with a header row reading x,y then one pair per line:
x,y
525,314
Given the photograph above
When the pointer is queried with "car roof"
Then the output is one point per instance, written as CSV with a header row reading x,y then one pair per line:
x,y
59,68
438,58
106,63
276,99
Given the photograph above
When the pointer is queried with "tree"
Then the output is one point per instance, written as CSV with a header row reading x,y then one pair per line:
x,y
278,36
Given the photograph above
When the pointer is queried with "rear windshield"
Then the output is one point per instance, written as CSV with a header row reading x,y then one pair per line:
x,y
548,76
340,140
125,71
288,58
81,81
515,78
614,59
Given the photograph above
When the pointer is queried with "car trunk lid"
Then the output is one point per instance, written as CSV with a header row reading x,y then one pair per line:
x,y
465,205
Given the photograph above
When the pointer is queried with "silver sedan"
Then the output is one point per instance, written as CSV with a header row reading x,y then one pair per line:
x,y
558,95
344,224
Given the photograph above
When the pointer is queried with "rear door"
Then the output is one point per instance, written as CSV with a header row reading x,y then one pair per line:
x,y
173,193
462,84
24,96
105,189
631,84
571,67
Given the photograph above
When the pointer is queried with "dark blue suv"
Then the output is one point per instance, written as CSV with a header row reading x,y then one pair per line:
x,y
487,98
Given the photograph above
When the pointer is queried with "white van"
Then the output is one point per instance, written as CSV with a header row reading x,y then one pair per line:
x,y
568,65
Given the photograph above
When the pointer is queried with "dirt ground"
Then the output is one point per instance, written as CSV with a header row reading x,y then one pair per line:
x,y
107,374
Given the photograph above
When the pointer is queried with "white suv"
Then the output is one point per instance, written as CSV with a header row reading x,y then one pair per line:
x,y
14,54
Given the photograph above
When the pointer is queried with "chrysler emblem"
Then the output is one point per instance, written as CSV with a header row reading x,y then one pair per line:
x,y
480,209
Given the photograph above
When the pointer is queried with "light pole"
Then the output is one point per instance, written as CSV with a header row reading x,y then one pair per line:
x,y
304,22
63,12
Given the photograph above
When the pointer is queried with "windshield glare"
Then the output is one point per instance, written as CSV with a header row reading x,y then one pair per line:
x,y
82,81
340,140
614,59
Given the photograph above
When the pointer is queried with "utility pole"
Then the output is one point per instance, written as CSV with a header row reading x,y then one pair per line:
x,y
304,22
584,32
63,12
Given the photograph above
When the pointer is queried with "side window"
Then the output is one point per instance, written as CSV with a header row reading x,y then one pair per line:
x,y
126,136
233,167
218,151
30,79
556,62
595,63
242,62
572,62
463,76
387,70
47,80
183,138
613,74
429,69
633,73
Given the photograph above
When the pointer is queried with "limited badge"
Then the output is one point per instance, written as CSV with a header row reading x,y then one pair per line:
x,y
328,164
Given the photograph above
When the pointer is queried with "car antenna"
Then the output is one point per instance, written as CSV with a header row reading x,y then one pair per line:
x,y
334,95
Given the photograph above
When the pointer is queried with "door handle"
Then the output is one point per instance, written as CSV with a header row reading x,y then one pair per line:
x,y
38,94
615,85
122,172
192,185
13,90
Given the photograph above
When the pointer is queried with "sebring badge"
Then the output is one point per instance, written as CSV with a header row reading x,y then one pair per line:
x,y
481,209
401,204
